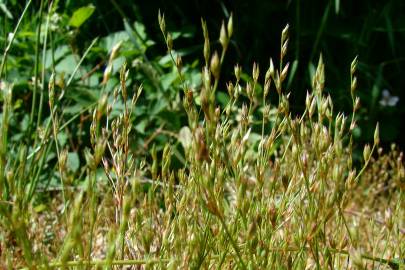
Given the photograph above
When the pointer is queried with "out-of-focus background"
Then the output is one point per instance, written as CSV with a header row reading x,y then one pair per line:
x,y
340,30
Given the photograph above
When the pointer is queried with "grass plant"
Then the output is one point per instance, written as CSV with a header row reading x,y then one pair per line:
x,y
252,187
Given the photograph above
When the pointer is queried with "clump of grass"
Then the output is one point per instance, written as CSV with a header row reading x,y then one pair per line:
x,y
259,187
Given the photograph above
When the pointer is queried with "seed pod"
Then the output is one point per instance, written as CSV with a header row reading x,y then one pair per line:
x,y
169,42
179,63
267,85
284,49
230,88
238,71
162,23
284,33
377,135
271,68
357,104
100,149
230,26
62,160
206,78
249,90
223,37
215,66
51,87
277,82
308,100
255,72
206,50
101,108
284,72
353,66
353,85
217,113
366,152
266,111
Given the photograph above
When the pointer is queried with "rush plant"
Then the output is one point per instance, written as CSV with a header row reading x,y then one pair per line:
x,y
245,184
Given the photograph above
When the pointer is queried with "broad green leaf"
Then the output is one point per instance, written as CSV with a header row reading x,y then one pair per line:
x,y
62,138
81,15
58,54
73,161
140,30
108,42
66,65
168,79
140,127
222,98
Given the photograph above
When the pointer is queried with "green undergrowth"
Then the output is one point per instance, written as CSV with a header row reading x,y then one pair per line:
x,y
243,184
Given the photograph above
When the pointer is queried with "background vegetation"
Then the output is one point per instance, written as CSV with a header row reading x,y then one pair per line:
x,y
371,30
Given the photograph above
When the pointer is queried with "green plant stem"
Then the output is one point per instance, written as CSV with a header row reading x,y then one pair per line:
x,y
74,117
92,207
235,247
365,165
55,135
3,61
36,69
221,61
79,64
41,97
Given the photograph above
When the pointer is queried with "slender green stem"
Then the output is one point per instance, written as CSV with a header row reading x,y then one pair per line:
x,y
365,165
36,69
3,61
79,64
41,97
234,245
221,61
104,262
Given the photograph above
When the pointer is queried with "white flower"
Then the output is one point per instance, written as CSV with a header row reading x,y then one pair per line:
x,y
388,100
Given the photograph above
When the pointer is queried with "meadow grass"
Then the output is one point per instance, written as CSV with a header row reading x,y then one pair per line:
x,y
257,187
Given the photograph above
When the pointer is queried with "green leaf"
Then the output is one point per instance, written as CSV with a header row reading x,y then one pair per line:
x,y
4,8
222,98
140,127
168,79
108,42
73,161
291,75
40,208
140,30
66,65
337,6
81,15
62,138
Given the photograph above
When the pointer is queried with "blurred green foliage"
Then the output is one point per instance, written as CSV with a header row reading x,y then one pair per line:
x,y
373,30
340,30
